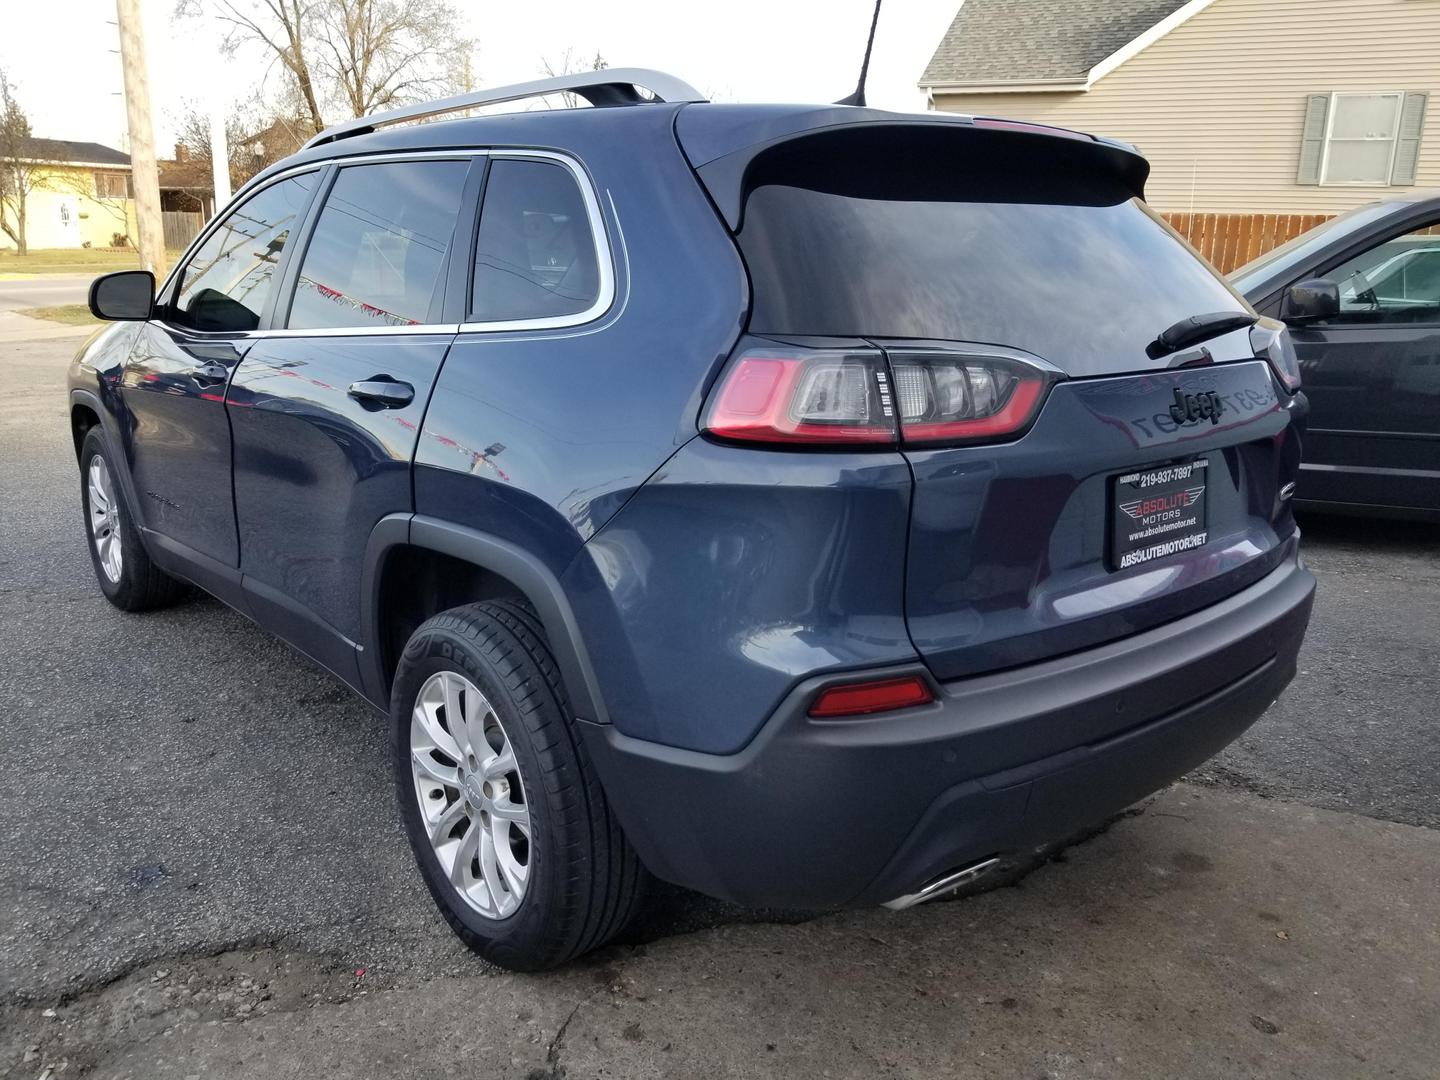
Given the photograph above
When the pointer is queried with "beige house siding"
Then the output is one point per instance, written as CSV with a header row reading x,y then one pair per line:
x,y
65,211
1217,104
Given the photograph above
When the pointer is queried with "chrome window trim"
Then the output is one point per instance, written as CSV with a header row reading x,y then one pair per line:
x,y
356,331
252,188
605,298
605,260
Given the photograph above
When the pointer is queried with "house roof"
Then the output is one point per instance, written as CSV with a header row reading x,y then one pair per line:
x,y
994,42
77,153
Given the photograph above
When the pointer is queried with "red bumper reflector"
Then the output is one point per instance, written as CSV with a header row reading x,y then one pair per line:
x,y
882,695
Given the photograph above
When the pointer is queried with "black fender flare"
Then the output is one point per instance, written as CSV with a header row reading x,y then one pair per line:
x,y
540,586
79,395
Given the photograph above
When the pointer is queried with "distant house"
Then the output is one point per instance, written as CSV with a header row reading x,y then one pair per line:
x,y
1260,117
80,196
186,184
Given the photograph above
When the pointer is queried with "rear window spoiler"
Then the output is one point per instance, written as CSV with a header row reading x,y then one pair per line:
x,y
1031,162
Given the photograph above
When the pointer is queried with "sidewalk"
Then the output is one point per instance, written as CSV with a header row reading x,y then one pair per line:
x,y
1216,935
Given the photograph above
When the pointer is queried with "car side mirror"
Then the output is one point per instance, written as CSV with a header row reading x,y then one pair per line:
x,y
1310,301
126,295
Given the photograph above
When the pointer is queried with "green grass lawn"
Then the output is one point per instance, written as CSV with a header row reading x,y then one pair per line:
x,y
73,261
72,314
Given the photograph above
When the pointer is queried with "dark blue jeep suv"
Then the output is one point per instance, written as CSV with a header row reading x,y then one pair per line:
x,y
806,505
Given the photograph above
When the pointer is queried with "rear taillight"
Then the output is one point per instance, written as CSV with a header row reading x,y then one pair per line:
x,y
820,397
1271,339
946,397
828,397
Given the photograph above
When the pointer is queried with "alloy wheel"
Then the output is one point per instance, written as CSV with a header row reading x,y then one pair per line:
x,y
105,518
470,793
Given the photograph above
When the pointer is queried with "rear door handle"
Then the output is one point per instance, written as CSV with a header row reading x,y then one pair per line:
x,y
387,393
210,373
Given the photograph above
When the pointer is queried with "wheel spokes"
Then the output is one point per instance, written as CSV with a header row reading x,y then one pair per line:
x,y
500,895
428,766
469,789
515,872
499,765
444,825
511,813
426,730
460,874
104,518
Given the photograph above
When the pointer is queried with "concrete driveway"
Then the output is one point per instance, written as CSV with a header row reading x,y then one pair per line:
x,y
203,873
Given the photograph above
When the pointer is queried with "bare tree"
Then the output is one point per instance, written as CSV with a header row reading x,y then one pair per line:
x,y
356,56
281,27
383,53
17,170
193,138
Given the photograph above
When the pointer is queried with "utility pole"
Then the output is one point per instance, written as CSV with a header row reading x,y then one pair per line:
x,y
144,175
219,141
219,156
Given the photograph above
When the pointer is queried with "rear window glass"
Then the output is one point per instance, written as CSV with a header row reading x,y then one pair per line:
x,y
1085,282
535,257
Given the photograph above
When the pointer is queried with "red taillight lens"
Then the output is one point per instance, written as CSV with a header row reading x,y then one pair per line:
x,y
820,398
832,397
953,398
880,695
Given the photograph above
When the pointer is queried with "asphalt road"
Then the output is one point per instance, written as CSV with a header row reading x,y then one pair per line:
x,y
47,291
179,784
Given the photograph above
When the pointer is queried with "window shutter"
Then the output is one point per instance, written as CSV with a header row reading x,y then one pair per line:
x,y
1407,145
1312,138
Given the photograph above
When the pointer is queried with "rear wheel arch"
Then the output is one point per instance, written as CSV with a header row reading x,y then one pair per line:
x,y
417,567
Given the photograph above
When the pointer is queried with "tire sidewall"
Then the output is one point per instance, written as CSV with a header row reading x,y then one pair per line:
x,y
432,650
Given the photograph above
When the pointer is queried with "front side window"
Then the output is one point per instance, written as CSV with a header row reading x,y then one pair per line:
x,y
535,258
227,283
378,254
1394,282
1360,146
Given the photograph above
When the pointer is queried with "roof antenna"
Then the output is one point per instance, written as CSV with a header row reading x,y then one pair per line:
x,y
858,97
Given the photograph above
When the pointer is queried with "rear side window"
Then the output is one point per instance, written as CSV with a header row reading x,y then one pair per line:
x,y
227,283
535,257
378,253
1069,267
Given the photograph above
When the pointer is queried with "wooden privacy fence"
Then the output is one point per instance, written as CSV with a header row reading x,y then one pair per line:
x,y
1231,240
181,226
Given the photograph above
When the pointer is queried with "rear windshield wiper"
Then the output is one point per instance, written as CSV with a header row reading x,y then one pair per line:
x,y
1197,328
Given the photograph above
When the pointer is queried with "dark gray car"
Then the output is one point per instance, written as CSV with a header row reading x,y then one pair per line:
x,y
1362,296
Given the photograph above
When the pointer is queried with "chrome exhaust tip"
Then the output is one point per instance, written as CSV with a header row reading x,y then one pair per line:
x,y
943,884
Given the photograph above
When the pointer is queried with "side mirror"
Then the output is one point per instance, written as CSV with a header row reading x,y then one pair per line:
x,y
126,295
1309,301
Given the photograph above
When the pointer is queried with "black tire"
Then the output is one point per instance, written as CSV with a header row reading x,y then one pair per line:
x,y
140,585
584,882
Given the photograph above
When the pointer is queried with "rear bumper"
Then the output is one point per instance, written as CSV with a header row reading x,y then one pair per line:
x,y
824,813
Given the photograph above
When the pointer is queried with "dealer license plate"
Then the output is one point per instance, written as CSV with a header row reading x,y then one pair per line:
x,y
1157,513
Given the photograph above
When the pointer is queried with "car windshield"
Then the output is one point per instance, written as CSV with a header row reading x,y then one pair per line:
x,y
1303,247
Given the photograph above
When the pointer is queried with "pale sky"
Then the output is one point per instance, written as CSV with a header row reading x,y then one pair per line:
x,y
62,54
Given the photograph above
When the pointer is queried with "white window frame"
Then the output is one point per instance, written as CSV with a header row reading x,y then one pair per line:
x,y
1335,96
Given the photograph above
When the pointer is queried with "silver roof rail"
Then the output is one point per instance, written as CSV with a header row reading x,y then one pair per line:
x,y
609,86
